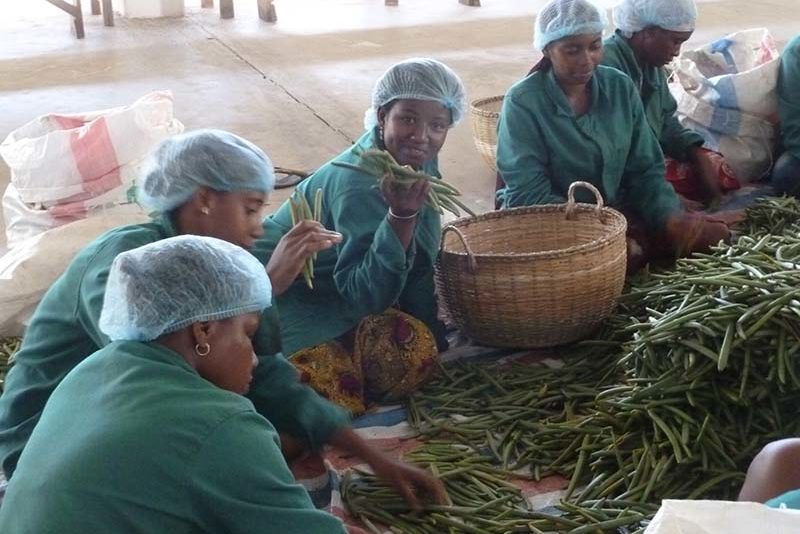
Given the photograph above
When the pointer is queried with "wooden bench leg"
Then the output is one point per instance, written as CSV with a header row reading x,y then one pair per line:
x,y
74,10
226,9
108,13
266,11
471,3
78,14
206,4
96,7
391,2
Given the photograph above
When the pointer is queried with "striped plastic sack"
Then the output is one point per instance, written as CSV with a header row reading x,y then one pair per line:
x,y
64,167
726,91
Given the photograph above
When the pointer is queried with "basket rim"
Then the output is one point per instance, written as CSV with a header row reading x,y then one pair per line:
x,y
476,110
582,207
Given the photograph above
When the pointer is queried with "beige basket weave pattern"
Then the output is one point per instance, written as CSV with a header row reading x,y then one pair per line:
x,y
534,276
484,114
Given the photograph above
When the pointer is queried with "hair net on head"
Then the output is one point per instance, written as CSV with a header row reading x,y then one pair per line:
x,y
164,286
632,16
418,79
564,18
216,159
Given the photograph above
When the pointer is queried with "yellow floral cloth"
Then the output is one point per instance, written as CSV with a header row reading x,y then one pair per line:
x,y
388,357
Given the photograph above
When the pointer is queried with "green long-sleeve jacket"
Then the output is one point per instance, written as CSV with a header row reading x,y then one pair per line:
x,y
542,147
64,331
789,97
369,271
134,441
660,107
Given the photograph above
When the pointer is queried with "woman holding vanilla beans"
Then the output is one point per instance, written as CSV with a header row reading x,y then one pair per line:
x,y
363,324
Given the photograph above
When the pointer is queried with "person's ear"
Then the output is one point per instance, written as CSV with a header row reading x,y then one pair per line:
x,y
203,200
202,333
382,116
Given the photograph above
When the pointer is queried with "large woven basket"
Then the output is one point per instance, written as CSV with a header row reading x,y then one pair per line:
x,y
535,276
484,114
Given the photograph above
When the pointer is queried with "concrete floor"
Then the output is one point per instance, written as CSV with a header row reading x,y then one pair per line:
x,y
297,88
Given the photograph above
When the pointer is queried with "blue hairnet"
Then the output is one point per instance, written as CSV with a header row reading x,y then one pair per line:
x,y
164,286
216,159
565,18
418,79
632,16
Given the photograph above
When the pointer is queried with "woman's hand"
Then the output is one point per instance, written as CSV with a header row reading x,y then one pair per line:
x,y
412,483
300,243
404,200
691,232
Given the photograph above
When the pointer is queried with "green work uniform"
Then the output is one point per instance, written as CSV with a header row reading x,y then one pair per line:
x,y
789,97
542,147
134,441
660,107
369,271
64,331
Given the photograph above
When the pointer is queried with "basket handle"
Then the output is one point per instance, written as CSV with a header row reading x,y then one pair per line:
x,y
571,199
473,263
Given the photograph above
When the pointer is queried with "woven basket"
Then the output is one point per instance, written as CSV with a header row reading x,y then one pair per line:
x,y
535,276
484,114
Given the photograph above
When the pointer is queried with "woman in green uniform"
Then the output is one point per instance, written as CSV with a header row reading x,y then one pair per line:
x,y
649,35
786,174
774,475
369,326
152,433
573,119
210,183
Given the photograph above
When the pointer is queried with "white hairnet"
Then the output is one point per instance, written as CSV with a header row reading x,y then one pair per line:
x,y
216,159
164,286
564,18
632,16
418,79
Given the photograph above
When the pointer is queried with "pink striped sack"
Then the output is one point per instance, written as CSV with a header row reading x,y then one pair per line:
x,y
64,167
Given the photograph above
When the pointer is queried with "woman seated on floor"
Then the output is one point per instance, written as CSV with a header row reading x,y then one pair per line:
x,y
573,119
152,433
786,173
774,475
649,35
369,329
206,182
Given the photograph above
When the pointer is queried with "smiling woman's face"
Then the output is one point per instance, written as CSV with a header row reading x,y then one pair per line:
x,y
414,130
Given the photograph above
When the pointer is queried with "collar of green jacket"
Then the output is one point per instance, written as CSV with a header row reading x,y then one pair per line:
x,y
559,98
621,49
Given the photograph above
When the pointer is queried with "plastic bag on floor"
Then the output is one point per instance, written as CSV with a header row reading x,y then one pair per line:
x,y
722,517
63,167
726,91
29,269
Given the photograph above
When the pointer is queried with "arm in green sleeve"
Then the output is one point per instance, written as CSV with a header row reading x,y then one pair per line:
x,y
372,265
419,300
645,186
676,140
788,99
241,484
92,285
292,407
522,158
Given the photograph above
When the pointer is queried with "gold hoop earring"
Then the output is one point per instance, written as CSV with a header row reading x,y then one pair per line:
x,y
202,350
